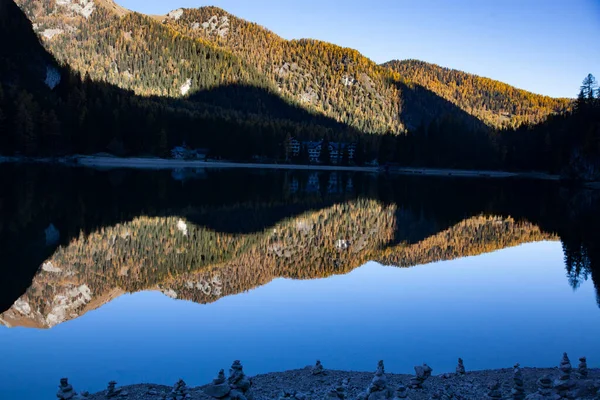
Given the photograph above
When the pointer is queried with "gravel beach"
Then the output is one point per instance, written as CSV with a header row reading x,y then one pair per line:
x,y
310,383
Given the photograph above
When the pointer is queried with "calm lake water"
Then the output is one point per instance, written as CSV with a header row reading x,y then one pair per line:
x,y
149,276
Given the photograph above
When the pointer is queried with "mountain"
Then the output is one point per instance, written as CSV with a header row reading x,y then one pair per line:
x,y
132,84
51,106
494,102
192,50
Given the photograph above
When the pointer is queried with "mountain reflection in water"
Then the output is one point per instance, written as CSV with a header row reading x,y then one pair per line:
x,y
75,239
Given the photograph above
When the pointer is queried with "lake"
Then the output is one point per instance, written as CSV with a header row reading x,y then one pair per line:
x,y
151,276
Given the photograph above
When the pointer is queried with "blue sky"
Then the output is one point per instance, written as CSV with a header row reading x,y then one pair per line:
x,y
545,46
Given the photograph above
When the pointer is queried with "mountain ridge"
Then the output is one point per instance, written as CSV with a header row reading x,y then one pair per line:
x,y
324,78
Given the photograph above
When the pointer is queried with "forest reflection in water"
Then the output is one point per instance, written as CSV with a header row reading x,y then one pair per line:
x,y
120,231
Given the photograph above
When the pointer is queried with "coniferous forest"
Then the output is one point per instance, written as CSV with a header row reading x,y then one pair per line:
x,y
103,79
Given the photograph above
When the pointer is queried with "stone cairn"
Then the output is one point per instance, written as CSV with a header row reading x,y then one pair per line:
x,y
422,373
238,382
318,369
235,387
460,368
340,392
65,390
401,392
443,394
582,368
112,391
219,388
518,390
378,389
494,391
544,391
564,384
544,385
292,395
179,392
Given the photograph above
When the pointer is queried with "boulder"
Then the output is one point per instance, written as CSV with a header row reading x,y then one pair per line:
x,y
218,391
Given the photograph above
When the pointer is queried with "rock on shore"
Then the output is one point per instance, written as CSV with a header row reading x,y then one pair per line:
x,y
302,384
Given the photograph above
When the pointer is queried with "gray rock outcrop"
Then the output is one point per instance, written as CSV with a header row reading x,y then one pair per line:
x,y
421,374
378,389
460,368
518,390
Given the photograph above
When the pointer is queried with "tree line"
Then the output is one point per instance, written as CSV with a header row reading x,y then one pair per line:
x,y
237,112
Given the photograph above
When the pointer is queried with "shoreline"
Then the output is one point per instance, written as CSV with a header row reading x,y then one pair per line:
x,y
106,162
316,382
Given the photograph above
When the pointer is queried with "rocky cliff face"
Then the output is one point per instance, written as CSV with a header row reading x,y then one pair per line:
x,y
185,261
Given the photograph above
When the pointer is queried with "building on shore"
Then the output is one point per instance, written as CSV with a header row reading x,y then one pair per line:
x,y
314,150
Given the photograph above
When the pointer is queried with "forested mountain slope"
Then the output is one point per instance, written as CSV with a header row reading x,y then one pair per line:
x,y
51,109
194,50
337,81
494,102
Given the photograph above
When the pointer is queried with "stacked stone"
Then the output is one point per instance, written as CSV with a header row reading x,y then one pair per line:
x,y
582,368
442,395
238,382
518,390
460,368
293,395
401,392
494,391
318,368
422,373
65,390
111,391
340,392
378,388
563,385
544,385
179,392
219,388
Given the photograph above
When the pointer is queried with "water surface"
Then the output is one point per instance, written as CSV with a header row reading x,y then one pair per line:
x,y
153,276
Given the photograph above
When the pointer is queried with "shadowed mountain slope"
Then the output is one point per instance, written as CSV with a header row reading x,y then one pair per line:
x,y
494,102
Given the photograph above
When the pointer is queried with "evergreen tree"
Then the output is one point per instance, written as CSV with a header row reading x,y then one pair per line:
x,y
162,144
24,127
589,86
